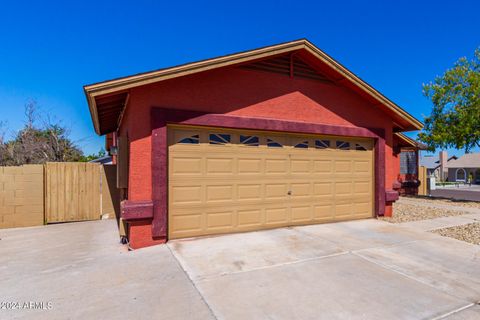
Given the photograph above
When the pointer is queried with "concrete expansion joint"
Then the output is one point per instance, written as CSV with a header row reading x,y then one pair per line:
x,y
208,278
390,268
192,282
448,314
385,246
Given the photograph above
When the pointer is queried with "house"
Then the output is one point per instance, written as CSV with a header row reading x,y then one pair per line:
x,y
437,166
408,150
103,160
465,169
278,136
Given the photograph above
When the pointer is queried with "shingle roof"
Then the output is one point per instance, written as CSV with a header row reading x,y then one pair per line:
x,y
469,160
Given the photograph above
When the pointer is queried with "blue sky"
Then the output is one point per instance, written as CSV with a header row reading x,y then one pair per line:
x,y
50,49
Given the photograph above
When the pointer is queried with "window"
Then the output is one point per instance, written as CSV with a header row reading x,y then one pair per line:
x,y
460,175
303,144
343,145
251,141
273,144
219,138
359,147
408,162
322,144
194,139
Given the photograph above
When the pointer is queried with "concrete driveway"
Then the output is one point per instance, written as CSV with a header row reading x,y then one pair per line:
x,y
364,269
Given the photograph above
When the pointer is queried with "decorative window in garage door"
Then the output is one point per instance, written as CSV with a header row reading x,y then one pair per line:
x,y
359,147
251,141
273,144
343,145
219,138
193,139
303,144
322,144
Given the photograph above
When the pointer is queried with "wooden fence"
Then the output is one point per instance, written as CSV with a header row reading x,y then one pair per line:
x,y
422,177
57,192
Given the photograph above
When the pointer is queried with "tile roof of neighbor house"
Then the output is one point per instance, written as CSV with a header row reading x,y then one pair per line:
x,y
469,160
108,99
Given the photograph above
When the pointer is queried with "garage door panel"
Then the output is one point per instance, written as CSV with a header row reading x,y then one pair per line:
x,y
343,188
188,223
300,166
362,187
186,166
323,211
301,213
219,166
249,192
276,191
362,208
219,193
186,194
249,166
276,215
343,166
323,166
220,220
253,181
249,218
343,209
363,166
276,166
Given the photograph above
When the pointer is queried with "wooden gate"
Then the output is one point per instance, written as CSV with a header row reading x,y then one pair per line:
x,y
72,191
422,177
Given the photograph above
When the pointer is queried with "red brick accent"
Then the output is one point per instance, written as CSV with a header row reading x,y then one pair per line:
x,y
388,210
132,210
140,234
391,196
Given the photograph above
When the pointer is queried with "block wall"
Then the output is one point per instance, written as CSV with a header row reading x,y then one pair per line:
x,y
21,196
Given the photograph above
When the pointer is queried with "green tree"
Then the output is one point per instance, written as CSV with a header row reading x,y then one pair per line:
x,y
455,118
93,156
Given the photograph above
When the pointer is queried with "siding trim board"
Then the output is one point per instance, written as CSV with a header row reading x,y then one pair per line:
x,y
161,117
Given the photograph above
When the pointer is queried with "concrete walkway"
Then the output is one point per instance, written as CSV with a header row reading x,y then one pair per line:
x,y
365,269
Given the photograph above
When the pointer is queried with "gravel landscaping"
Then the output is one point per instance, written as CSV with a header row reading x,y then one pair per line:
x,y
467,232
403,212
457,203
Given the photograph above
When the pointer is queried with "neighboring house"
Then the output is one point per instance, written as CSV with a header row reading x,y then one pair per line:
x,y
408,152
103,160
278,136
437,165
465,169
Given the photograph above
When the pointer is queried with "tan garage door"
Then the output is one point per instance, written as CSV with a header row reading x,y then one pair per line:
x,y
223,181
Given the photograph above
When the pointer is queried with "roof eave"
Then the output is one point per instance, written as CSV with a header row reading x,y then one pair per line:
x,y
125,83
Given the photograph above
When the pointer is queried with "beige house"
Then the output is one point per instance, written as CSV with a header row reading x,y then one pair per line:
x,y
465,169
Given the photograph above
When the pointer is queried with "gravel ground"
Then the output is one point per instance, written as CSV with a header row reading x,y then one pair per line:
x,y
458,203
403,212
467,232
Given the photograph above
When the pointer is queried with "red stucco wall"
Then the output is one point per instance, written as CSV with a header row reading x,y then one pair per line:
x,y
250,94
